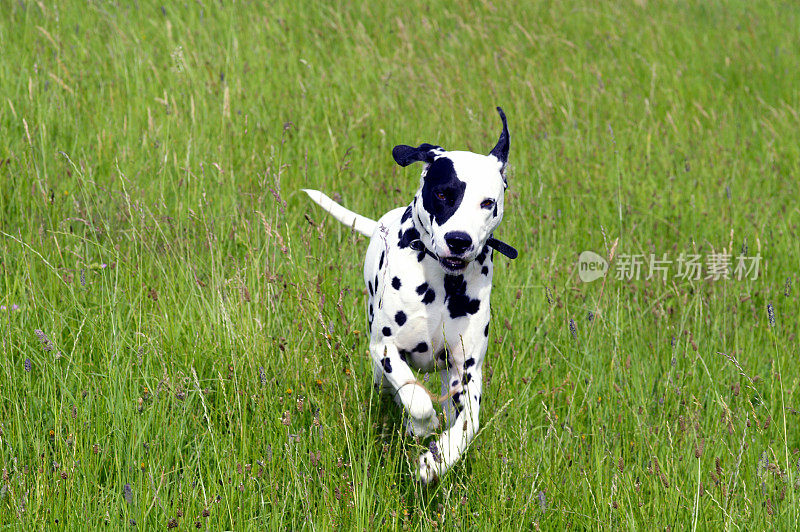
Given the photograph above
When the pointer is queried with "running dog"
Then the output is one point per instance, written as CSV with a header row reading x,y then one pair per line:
x,y
428,272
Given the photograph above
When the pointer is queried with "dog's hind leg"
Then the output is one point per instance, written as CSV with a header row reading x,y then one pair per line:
x,y
391,372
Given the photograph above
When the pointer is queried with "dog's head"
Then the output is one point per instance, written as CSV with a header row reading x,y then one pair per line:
x,y
460,200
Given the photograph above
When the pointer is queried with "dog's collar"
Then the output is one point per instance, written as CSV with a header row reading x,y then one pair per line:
x,y
498,245
502,248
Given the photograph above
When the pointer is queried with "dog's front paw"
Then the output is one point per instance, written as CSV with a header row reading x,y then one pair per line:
x,y
421,419
430,465
422,426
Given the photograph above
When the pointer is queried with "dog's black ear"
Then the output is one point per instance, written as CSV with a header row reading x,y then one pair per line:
x,y
405,155
501,150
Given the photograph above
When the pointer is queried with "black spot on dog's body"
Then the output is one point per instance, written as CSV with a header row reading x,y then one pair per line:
x,y
429,294
458,302
387,365
457,402
485,270
380,262
481,258
421,255
386,331
486,330
376,283
441,180
406,214
403,355
454,384
494,212
466,379
400,317
421,348
369,285
405,238
469,363
396,283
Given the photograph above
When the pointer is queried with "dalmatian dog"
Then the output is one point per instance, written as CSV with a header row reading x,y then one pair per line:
x,y
428,272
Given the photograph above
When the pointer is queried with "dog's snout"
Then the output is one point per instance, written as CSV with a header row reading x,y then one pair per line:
x,y
458,241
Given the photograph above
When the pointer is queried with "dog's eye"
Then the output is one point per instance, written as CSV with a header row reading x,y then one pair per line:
x,y
487,204
441,196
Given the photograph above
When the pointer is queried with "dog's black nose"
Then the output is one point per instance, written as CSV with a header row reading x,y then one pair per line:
x,y
458,241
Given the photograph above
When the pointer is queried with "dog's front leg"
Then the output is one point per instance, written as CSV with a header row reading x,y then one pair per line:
x,y
392,370
448,448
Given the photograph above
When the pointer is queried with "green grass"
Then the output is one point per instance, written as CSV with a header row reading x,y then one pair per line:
x,y
205,323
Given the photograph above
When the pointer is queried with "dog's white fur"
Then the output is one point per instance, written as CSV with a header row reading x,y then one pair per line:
x,y
429,310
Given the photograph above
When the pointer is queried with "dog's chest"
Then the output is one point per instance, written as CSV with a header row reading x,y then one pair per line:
x,y
414,305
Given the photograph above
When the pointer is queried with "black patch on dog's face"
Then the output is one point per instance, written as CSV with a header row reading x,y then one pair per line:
x,y
406,214
442,191
421,347
458,302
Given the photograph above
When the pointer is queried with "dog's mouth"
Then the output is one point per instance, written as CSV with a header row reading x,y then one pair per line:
x,y
453,264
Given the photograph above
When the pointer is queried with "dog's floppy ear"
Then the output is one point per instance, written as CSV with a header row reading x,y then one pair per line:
x,y
500,151
405,155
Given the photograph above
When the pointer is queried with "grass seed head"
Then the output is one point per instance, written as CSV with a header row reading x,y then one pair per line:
x,y
434,449
46,344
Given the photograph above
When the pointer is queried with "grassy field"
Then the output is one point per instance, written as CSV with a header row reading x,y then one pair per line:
x,y
183,331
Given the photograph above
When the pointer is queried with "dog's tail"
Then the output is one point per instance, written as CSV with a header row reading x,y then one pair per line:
x,y
362,224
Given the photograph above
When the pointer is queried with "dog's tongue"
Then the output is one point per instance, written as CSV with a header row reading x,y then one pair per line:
x,y
503,248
